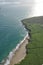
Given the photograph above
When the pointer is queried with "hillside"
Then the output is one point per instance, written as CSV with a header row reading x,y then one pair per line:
x,y
34,55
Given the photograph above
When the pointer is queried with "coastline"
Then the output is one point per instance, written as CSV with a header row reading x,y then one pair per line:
x,y
18,55
20,49
21,52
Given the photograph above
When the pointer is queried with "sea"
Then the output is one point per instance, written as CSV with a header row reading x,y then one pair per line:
x,y
12,30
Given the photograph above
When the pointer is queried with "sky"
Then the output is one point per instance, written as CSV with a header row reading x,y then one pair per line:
x,y
36,5
38,8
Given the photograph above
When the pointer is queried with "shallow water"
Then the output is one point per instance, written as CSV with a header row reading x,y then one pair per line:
x,y
11,29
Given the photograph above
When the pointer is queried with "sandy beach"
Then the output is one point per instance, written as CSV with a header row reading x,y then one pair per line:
x,y
20,53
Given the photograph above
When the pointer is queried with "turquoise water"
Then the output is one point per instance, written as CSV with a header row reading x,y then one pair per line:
x,y
11,29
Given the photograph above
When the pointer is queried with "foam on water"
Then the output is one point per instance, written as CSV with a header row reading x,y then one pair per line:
x,y
7,62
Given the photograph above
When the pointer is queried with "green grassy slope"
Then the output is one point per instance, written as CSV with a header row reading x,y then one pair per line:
x,y
35,47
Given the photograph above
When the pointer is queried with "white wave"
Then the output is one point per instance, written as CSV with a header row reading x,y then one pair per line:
x,y
10,55
16,3
7,62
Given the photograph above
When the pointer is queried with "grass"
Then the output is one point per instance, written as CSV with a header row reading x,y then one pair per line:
x,y
35,47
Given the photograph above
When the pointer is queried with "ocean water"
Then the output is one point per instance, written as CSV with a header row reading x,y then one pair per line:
x,y
12,30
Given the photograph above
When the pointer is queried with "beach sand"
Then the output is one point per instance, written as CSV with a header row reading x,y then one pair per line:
x,y
20,53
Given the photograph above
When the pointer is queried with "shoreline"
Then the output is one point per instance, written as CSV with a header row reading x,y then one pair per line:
x,y
16,51
21,52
